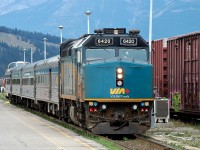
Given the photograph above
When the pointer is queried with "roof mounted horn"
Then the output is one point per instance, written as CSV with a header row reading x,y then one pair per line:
x,y
134,32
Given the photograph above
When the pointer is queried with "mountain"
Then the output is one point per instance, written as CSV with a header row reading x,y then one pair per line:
x,y
14,41
170,17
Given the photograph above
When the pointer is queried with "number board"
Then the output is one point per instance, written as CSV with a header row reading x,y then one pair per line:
x,y
128,41
104,41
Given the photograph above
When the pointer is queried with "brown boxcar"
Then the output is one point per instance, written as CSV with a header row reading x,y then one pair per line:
x,y
181,82
159,61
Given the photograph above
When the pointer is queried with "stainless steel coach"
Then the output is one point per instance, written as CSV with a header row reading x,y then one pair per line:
x,y
34,83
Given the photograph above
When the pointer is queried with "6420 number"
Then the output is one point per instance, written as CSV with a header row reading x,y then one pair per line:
x,y
104,41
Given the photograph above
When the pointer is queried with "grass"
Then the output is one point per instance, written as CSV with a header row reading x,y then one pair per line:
x,y
182,124
178,147
108,144
3,97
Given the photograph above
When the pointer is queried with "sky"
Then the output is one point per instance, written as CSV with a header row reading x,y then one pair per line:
x,y
170,17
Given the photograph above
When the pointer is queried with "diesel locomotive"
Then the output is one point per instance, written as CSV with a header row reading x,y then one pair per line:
x,y
101,82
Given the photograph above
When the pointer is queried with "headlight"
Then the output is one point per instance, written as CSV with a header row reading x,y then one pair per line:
x,y
119,83
119,70
134,107
119,76
103,106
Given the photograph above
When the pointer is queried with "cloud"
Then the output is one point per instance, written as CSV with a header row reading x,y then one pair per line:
x,y
183,10
66,8
8,6
5,3
98,19
169,4
178,10
189,1
136,11
172,6
71,16
97,23
132,2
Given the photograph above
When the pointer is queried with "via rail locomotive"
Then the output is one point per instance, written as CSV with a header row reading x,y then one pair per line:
x,y
101,82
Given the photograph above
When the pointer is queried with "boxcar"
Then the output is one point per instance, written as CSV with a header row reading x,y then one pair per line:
x,y
179,61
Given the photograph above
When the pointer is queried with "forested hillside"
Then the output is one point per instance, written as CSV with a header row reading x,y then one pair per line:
x,y
14,41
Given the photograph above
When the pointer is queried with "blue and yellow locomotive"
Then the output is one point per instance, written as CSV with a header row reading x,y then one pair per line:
x,y
102,82
106,81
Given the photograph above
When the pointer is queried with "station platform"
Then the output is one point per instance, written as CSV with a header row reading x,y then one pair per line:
x,y
21,130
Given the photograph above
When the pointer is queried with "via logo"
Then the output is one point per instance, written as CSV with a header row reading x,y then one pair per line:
x,y
119,91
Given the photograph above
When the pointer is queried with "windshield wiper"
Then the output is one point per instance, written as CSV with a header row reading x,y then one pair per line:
x,y
106,51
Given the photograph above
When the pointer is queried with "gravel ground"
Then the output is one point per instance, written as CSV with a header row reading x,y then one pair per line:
x,y
139,144
177,134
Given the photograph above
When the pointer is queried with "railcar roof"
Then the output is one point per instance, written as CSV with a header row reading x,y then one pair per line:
x,y
49,60
184,35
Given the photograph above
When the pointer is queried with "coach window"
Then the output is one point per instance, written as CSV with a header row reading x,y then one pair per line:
x,y
18,81
32,81
39,80
42,79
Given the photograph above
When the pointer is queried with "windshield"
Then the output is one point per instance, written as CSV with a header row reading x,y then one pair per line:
x,y
97,54
124,53
133,54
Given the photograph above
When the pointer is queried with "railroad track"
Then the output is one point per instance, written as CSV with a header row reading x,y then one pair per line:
x,y
157,144
134,143
141,142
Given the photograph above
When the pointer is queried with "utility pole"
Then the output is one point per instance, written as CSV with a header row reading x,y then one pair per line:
x,y
31,53
45,48
24,54
150,29
88,13
60,27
